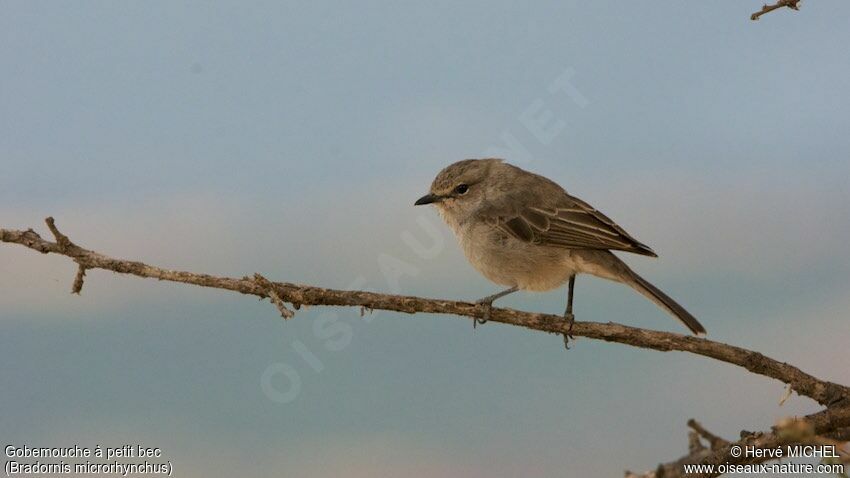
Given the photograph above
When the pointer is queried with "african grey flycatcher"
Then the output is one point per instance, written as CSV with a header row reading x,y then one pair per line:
x,y
523,231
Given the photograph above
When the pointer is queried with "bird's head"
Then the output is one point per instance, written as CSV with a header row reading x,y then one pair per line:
x,y
460,188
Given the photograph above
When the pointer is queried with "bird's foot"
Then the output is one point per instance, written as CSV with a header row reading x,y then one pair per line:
x,y
487,304
568,335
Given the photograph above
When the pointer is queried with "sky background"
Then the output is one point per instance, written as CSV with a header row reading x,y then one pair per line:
x,y
291,139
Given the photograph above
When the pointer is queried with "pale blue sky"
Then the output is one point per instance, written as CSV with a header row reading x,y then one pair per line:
x,y
292,138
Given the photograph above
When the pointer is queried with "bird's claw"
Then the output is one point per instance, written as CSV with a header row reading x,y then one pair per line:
x,y
487,303
568,335
488,306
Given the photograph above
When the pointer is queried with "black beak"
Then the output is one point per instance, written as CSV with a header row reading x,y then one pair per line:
x,y
427,199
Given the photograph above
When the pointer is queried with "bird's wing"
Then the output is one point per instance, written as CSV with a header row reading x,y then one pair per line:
x,y
566,222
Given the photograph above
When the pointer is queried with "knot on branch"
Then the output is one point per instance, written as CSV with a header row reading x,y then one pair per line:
x,y
270,290
28,238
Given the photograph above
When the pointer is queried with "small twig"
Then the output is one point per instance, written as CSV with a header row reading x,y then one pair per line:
x,y
714,441
274,298
694,443
65,246
792,4
61,239
78,281
786,395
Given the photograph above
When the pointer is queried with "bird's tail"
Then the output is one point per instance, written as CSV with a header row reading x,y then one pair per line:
x,y
663,300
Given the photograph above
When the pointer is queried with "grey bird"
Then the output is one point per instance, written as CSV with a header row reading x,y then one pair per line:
x,y
523,231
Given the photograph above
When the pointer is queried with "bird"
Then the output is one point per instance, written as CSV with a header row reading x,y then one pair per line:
x,y
525,232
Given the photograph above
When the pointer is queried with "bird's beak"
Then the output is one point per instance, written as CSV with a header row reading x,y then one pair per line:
x,y
428,199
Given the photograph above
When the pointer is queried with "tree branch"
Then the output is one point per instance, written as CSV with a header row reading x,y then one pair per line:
x,y
714,441
792,4
832,423
815,429
823,392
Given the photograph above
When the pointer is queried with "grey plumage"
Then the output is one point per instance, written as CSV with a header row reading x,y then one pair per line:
x,y
521,230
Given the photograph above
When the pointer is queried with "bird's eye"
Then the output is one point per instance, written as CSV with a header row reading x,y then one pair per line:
x,y
462,189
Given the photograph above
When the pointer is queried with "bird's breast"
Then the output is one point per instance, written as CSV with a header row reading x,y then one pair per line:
x,y
508,261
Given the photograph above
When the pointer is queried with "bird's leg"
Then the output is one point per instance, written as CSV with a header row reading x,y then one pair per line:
x,y
487,302
568,314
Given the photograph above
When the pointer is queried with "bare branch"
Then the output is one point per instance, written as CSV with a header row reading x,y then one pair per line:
x,y
77,287
824,392
829,426
714,441
792,4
